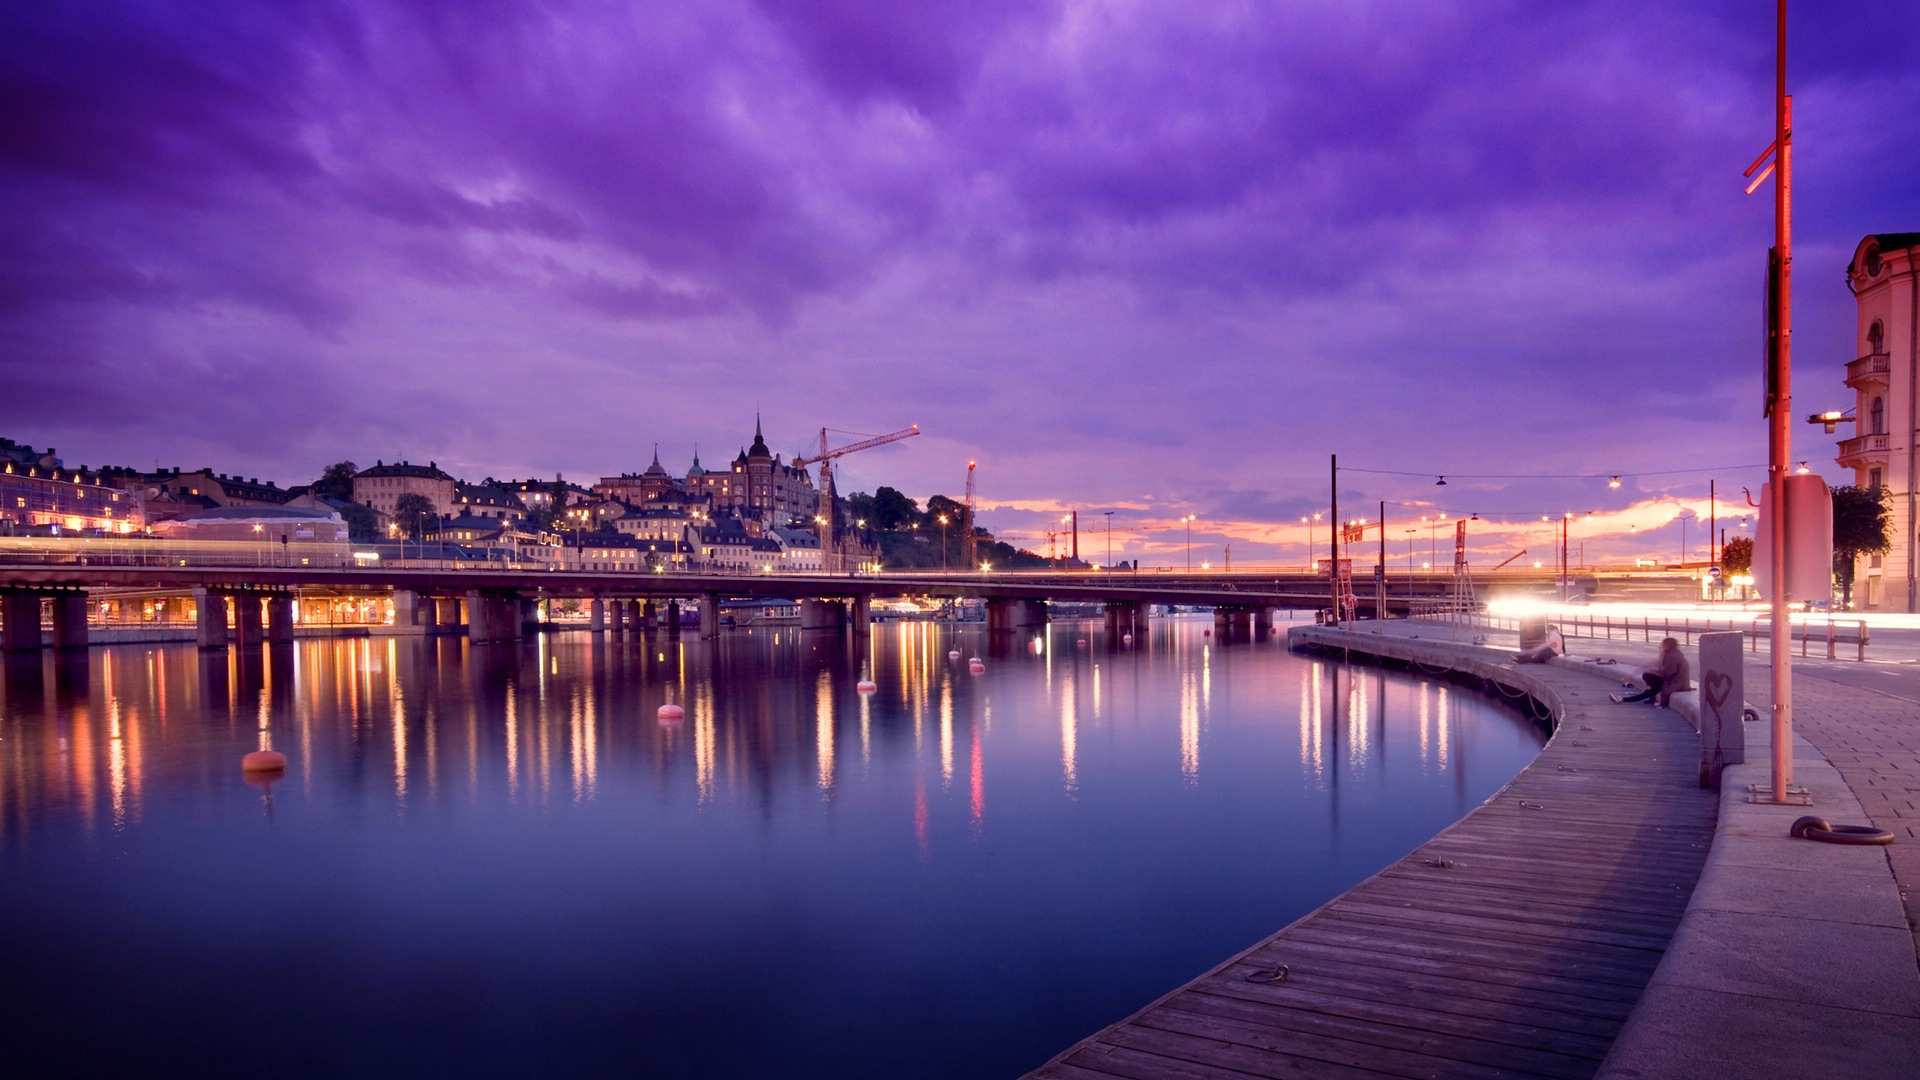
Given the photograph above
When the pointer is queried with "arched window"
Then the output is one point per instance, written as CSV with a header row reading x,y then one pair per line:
x,y
1879,416
1876,338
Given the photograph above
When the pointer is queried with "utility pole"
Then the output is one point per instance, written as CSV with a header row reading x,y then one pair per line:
x,y
1780,406
1380,569
1333,534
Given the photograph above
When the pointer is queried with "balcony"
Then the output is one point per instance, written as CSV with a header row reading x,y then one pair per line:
x,y
1863,451
1871,368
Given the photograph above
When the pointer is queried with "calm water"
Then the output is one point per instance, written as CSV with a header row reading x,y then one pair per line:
x,y
495,860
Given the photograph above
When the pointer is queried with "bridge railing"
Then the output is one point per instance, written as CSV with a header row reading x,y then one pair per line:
x,y
1599,626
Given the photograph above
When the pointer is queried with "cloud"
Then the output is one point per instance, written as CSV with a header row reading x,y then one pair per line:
x,y
1126,255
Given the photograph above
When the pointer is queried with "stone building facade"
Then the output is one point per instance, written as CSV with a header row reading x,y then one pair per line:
x,y
1885,379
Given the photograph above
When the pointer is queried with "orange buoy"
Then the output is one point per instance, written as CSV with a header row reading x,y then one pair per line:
x,y
264,761
671,713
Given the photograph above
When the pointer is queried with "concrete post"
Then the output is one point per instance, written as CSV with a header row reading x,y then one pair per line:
x,y
709,615
493,616
862,615
280,618
20,620
69,621
649,618
597,616
428,607
633,614
210,617
249,629
821,615
673,618
1723,699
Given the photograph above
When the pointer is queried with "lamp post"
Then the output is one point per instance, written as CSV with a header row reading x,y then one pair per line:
x,y
943,543
1411,533
1109,514
1189,520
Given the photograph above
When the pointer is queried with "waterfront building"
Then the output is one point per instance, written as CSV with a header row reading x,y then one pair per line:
x,y
1885,379
799,549
217,489
381,486
487,499
39,494
267,525
642,488
760,488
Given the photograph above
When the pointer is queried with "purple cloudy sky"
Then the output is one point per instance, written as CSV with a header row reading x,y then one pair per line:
x,y
1154,258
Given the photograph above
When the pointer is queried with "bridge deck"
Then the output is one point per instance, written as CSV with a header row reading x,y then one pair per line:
x,y
1513,944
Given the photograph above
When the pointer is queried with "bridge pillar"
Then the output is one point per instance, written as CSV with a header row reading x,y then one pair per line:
x,y
709,615
630,618
493,615
406,611
528,612
649,618
69,621
673,618
429,608
821,615
597,616
1005,615
280,618
446,615
862,615
249,629
210,618
1263,622
19,620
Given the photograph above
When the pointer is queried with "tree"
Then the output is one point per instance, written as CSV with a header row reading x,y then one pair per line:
x,y
1862,525
363,525
1737,556
413,513
891,510
337,481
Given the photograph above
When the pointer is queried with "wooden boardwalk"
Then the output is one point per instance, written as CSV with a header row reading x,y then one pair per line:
x,y
1513,944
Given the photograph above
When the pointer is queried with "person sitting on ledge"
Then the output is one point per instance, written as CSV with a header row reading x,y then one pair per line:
x,y
1551,646
1669,675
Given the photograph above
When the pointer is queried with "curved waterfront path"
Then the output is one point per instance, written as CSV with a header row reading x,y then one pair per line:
x,y
1550,932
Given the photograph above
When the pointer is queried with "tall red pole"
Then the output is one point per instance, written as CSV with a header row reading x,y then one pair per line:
x,y
1779,435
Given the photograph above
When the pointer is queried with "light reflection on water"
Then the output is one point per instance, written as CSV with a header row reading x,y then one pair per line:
x,y
501,854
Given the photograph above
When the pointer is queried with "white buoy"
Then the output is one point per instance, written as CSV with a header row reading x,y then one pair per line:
x,y
264,761
975,666
671,713
1080,642
953,654
865,686
1127,639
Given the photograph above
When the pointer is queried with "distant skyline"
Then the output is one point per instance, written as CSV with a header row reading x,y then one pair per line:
x,y
1154,259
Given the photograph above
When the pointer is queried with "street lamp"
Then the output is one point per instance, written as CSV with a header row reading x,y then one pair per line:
x,y
943,543
1109,514
1189,520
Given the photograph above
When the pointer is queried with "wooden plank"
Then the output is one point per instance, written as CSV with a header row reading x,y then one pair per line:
x,y
1522,956
1453,1039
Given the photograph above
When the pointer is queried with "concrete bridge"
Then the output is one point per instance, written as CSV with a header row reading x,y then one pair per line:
x,y
492,602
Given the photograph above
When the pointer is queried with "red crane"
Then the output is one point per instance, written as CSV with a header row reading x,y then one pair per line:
x,y
969,546
829,550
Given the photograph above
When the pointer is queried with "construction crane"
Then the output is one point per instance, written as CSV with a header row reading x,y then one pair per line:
x,y
969,546
829,551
